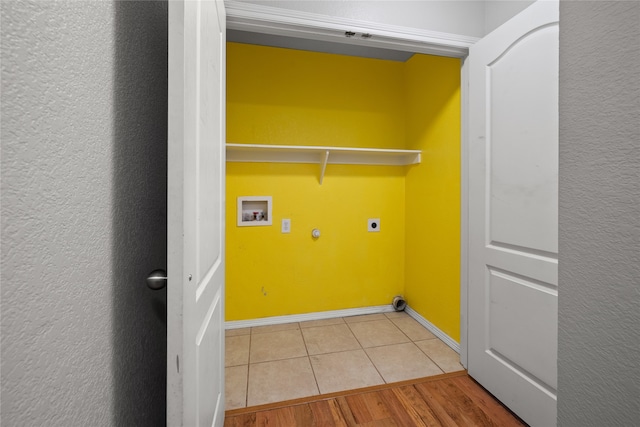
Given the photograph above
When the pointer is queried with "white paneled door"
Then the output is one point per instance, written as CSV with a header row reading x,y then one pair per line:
x,y
513,213
195,228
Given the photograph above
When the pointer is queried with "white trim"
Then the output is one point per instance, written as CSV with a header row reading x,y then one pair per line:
x,y
285,22
320,315
464,210
455,346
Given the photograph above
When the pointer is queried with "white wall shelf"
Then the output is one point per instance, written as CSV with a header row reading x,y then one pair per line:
x,y
321,155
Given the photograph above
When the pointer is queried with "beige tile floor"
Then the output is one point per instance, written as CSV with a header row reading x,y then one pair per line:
x,y
274,363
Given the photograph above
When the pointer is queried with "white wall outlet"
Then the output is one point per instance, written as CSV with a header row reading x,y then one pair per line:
x,y
286,226
373,224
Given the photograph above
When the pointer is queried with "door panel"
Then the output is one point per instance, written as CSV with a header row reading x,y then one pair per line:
x,y
521,313
211,383
522,143
513,209
195,229
209,155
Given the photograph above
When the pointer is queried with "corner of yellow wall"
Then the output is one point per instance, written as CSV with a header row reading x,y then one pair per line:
x,y
432,245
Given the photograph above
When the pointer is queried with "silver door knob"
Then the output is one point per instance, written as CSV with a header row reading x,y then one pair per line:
x,y
157,279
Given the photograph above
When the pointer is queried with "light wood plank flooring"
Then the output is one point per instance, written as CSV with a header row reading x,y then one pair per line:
x,y
453,399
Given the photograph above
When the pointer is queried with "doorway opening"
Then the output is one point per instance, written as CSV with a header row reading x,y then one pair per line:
x,y
292,97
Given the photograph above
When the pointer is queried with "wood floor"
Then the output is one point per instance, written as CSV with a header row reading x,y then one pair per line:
x,y
445,400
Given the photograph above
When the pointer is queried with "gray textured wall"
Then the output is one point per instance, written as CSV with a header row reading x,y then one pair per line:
x,y
83,206
599,293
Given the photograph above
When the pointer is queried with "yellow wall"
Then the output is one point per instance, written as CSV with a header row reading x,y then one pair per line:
x,y
283,96
279,96
432,273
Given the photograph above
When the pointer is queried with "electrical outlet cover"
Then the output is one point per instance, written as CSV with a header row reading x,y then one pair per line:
x,y
373,224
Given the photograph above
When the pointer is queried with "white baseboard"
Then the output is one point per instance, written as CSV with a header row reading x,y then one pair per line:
x,y
320,315
433,329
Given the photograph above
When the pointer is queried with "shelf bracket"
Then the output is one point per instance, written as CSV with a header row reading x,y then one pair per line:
x,y
324,165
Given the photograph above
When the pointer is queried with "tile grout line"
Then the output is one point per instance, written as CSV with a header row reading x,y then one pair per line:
x,y
421,350
430,358
313,371
298,326
414,343
375,367
365,351
246,394
306,349
400,329
367,354
355,336
369,357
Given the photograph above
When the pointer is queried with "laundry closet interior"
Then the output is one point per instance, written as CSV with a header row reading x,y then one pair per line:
x,y
301,98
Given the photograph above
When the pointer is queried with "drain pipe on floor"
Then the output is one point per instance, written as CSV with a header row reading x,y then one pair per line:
x,y
398,303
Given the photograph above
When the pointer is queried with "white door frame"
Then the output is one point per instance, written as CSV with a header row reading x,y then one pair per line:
x,y
283,22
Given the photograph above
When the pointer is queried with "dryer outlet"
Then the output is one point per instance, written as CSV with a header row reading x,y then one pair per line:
x,y
373,224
